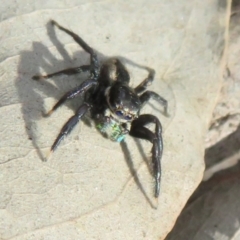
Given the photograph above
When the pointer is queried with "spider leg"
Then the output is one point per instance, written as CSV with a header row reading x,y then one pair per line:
x,y
146,96
94,60
86,85
70,124
69,71
139,130
146,82
122,73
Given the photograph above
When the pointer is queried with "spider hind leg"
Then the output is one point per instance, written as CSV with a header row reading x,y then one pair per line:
x,y
146,82
68,71
95,68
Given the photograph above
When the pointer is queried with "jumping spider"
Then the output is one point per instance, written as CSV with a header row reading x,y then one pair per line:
x,y
113,105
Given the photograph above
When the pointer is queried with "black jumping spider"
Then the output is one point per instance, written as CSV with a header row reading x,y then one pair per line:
x,y
113,104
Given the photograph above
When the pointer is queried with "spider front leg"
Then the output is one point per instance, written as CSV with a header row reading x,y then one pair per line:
x,y
139,130
70,124
146,96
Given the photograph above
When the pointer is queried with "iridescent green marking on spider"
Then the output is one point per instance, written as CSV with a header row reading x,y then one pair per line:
x,y
112,130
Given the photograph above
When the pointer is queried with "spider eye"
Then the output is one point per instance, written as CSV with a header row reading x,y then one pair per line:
x,y
128,117
119,113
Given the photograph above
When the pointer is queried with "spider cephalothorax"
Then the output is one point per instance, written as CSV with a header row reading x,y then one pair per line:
x,y
123,101
113,104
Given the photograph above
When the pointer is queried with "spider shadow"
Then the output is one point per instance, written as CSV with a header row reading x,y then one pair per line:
x,y
128,159
31,93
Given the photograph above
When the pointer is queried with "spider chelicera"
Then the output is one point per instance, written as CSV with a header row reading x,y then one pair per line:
x,y
113,105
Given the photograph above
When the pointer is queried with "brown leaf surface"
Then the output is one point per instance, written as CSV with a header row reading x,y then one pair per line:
x,y
87,189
